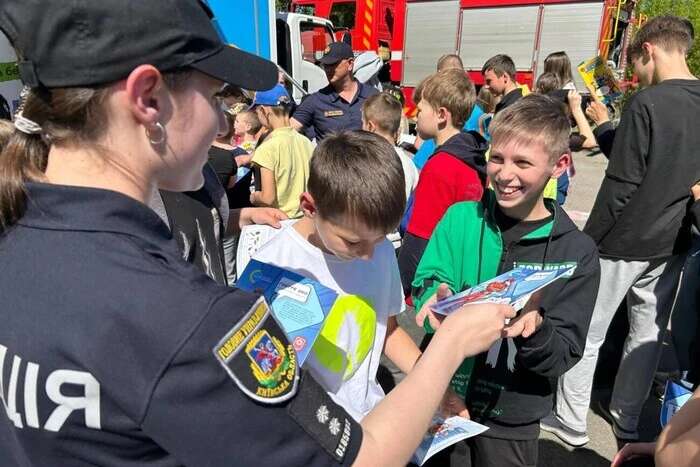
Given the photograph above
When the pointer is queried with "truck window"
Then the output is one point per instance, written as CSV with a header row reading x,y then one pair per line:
x,y
314,40
343,15
305,9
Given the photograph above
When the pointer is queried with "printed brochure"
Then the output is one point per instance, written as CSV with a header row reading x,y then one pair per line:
x,y
514,288
444,432
600,79
300,305
675,397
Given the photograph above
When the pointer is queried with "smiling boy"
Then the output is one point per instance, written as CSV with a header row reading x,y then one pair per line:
x,y
509,387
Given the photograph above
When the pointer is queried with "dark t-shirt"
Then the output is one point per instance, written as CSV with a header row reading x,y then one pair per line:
x,y
239,194
641,211
224,164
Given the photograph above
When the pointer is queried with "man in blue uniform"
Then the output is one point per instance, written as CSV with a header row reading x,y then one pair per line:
x,y
338,106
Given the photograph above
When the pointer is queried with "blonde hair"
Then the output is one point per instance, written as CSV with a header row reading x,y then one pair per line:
x,y
251,118
451,89
534,119
384,111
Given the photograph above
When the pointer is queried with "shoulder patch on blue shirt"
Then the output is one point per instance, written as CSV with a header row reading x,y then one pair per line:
x,y
324,420
258,357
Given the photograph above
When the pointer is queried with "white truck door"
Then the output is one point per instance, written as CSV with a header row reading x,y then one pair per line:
x,y
431,31
490,31
573,28
10,84
308,38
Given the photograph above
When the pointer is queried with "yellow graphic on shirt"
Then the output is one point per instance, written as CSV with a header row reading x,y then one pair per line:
x,y
347,336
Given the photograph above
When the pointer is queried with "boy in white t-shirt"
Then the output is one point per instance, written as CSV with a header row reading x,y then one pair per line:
x,y
381,114
356,195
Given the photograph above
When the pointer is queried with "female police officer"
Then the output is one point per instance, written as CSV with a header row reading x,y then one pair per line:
x,y
113,351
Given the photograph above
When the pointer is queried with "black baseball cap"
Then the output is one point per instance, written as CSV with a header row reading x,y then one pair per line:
x,y
92,42
336,52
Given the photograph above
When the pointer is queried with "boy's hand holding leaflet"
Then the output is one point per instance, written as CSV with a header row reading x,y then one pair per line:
x,y
453,405
426,311
529,319
514,287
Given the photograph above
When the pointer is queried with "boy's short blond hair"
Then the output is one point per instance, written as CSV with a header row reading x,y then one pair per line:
x,y
251,118
384,111
453,90
534,119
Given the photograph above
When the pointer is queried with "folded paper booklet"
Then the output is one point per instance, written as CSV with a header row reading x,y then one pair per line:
x,y
444,432
514,288
299,305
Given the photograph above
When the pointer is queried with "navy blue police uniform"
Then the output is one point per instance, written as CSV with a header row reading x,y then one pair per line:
x,y
329,113
115,352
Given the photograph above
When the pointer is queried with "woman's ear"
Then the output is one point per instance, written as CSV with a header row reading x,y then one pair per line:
x,y
145,94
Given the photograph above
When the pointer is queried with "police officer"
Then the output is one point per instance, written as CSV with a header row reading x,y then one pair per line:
x,y
338,106
114,351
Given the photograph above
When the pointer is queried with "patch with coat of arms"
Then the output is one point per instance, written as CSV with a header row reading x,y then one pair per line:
x,y
258,357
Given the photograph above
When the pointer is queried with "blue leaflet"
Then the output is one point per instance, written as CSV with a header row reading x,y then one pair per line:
x,y
299,305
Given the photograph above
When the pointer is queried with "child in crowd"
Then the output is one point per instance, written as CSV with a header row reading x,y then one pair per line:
x,y
246,129
283,158
509,388
558,64
356,196
487,102
381,114
640,224
457,169
546,83
499,78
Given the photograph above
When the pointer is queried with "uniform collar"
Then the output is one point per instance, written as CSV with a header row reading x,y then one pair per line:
x,y
69,208
361,92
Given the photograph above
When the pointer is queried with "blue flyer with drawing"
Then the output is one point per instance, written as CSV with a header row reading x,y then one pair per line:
x,y
300,305
444,432
514,288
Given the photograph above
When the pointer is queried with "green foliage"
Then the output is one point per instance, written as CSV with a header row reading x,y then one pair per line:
x,y
282,5
687,8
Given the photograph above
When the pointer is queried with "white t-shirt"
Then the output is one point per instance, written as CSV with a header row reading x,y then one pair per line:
x,y
410,171
361,331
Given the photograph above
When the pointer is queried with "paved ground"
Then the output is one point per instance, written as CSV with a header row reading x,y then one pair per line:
x,y
603,446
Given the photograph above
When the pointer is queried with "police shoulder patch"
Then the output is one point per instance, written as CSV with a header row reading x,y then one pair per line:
x,y
258,357
325,421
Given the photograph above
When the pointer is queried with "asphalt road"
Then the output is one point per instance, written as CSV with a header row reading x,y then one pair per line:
x,y
603,446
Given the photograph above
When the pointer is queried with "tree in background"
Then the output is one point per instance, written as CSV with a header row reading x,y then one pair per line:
x,y
686,8
282,5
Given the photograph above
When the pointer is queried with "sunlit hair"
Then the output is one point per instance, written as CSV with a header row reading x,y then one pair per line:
x,y
453,90
533,120
500,64
671,33
559,65
448,61
384,111
357,175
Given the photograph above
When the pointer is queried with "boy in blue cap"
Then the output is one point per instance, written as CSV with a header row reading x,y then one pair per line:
x,y
283,158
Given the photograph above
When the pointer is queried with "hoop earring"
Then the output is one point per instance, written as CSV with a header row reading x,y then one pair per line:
x,y
161,134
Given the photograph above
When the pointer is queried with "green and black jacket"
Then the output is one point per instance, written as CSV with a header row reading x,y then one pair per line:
x,y
465,249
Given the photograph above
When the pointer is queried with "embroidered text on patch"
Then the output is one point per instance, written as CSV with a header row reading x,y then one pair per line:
x,y
258,357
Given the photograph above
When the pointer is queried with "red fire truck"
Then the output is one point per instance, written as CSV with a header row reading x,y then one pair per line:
x,y
413,34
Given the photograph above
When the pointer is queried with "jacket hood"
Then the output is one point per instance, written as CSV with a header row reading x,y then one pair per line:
x,y
561,223
469,147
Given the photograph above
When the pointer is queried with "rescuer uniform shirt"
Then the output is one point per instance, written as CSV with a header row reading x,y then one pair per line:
x,y
328,113
115,352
